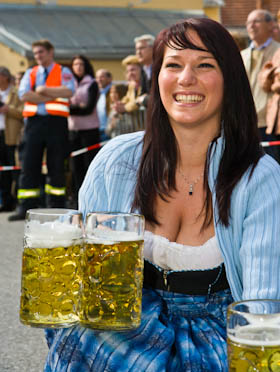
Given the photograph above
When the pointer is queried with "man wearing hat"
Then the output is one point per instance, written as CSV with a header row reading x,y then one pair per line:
x,y
133,76
133,118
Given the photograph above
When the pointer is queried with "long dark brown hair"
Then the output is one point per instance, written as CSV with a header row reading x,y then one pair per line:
x,y
89,70
156,174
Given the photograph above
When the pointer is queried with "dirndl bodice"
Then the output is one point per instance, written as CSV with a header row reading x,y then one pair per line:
x,y
179,332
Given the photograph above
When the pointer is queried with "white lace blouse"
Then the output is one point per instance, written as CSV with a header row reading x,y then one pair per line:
x,y
173,256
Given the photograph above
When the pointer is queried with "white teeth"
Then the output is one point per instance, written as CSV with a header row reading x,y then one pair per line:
x,y
193,98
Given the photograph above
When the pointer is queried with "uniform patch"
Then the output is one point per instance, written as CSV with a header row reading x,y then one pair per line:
x,y
66,76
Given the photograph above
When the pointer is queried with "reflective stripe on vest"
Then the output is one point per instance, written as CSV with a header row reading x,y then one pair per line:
x,y
30,108
58,106
28,193
58,191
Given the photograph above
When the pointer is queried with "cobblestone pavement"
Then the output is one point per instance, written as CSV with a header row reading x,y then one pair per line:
x,y
22,348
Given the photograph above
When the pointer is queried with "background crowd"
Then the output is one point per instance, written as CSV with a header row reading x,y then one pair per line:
x,y
92,108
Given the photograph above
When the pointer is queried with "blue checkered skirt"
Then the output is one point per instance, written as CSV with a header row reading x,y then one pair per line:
x,y
178,333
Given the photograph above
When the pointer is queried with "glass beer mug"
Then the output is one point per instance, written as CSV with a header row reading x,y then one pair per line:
x,y
112,271
51,268
253,331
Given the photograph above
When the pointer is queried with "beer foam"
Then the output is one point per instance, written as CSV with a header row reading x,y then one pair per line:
x,y
51,234
268,335
106,236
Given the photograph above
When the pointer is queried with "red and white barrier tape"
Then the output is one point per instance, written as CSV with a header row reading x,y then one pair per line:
x,y
98,145
9,167
72,155
86,149
271,143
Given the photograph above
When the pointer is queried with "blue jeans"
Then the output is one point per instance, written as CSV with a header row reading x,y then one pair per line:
x,y
103,136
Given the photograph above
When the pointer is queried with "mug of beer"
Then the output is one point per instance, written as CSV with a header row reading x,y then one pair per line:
x,y
112,271
253,331
51,268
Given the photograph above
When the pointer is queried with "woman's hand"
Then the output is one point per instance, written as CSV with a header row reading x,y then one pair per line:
x,y
4,109
265,77
119,107
275,87
40,89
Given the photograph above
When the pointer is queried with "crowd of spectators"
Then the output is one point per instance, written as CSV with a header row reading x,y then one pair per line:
x,y
101,108
94,108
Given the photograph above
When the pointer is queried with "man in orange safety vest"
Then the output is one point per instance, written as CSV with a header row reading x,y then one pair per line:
x,y
45,90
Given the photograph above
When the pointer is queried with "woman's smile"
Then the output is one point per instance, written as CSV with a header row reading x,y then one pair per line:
x,y
189,98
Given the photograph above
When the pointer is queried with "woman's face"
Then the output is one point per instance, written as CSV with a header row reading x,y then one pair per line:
x,y
191,86
114,96
78,67
133,73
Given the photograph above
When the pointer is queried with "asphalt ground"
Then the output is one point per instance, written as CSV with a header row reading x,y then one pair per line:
x,y
22,348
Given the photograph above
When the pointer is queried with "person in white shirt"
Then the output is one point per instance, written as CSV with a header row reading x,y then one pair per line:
x,y
261,49
104,81
144,52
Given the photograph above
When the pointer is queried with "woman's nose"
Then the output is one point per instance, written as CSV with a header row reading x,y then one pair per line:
x,y
187,76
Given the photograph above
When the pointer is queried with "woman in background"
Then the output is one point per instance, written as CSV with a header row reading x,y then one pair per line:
x,y
83,123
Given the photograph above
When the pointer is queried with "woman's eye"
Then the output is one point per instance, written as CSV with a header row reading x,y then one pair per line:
x,y
206,65
172,65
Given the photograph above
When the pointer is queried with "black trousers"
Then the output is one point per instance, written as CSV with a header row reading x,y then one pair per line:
x,y
79,164
6,177
42,133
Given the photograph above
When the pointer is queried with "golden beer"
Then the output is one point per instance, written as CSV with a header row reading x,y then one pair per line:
x,y
50,287
51,268
112,284
254,349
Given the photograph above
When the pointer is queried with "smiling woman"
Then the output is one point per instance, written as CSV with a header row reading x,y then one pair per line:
x,y
199,177
187,80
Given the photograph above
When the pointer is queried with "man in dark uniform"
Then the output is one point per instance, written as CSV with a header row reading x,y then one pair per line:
x,y
45,90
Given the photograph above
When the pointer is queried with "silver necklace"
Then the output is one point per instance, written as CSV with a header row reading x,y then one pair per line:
x,y
191,184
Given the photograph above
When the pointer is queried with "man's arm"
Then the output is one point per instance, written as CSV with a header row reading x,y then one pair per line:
x,y
87,109
44,94
35,97
65,90
54,92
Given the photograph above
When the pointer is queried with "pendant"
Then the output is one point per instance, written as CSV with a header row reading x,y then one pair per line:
x,y
191,189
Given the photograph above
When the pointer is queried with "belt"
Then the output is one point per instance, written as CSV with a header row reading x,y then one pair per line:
x,y
198,282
